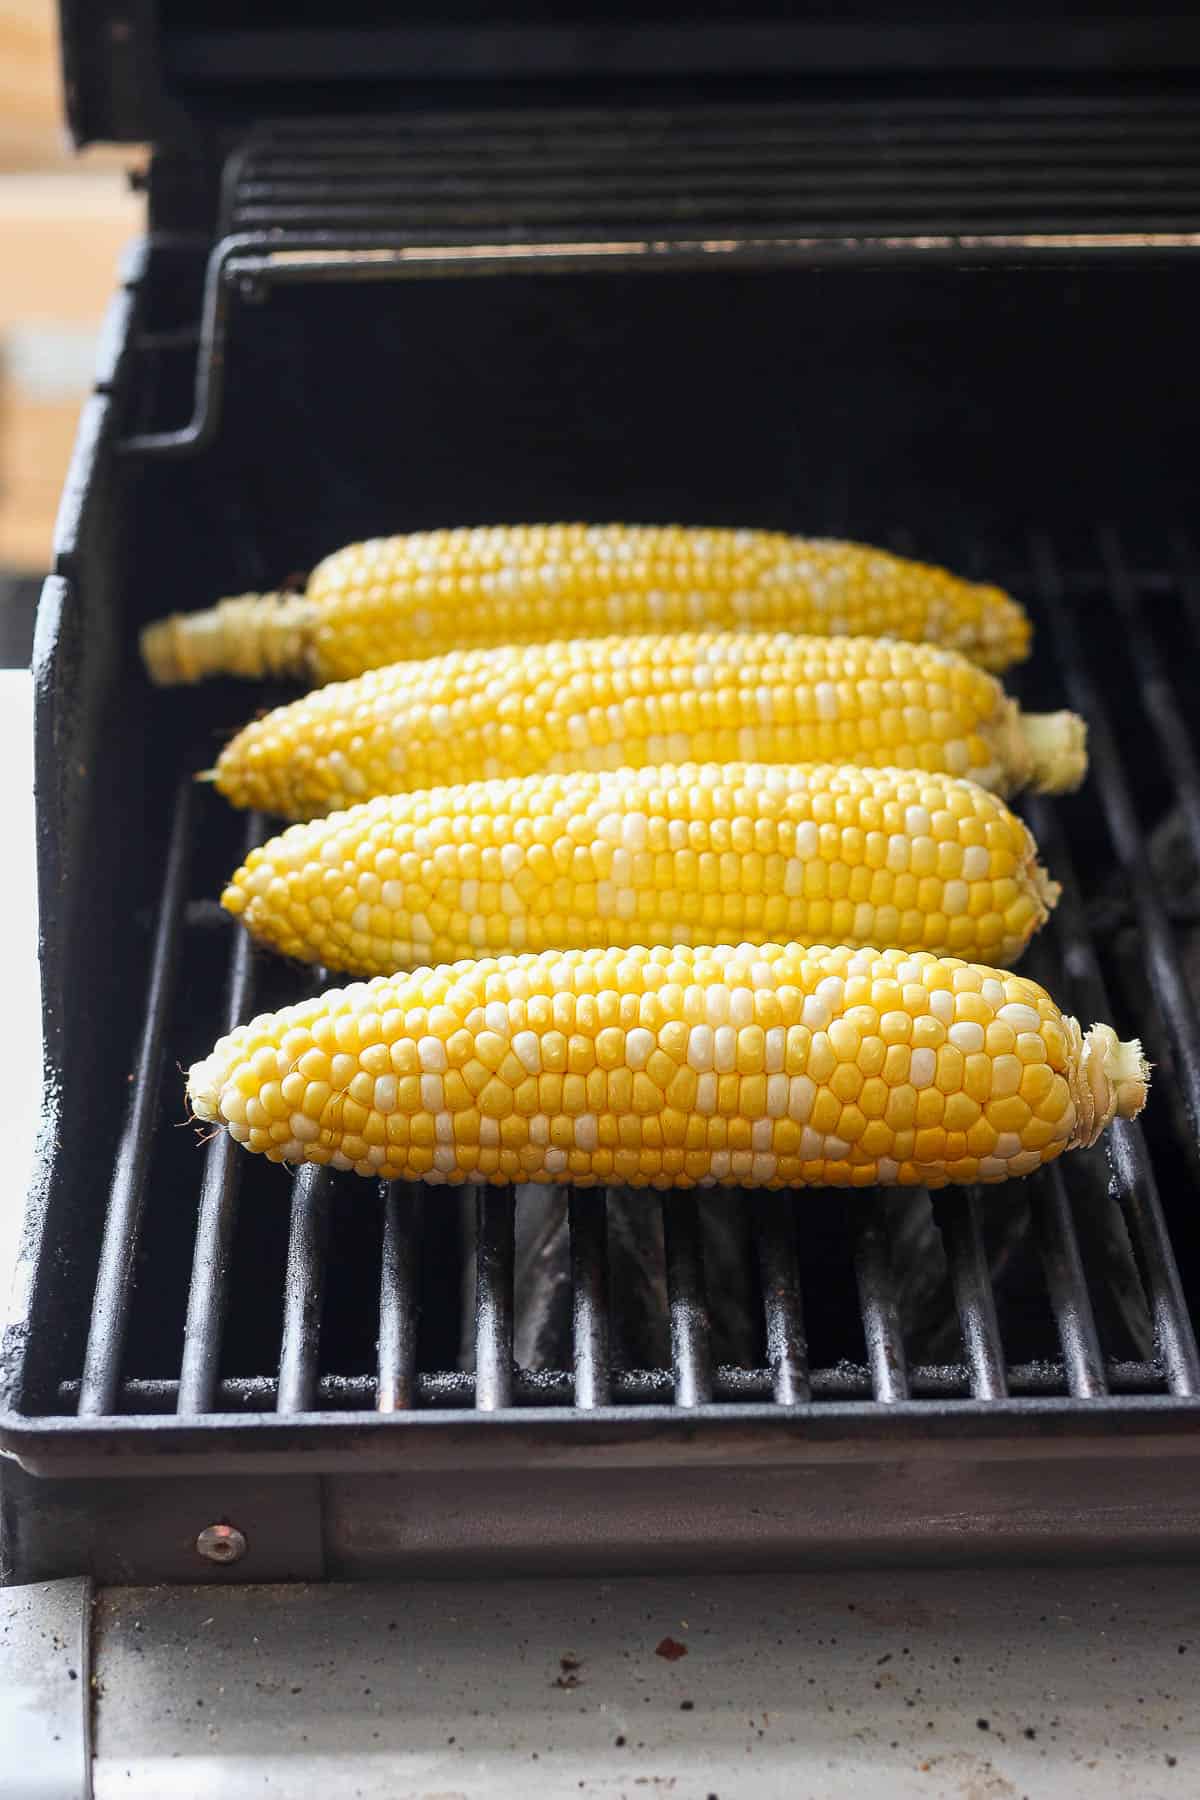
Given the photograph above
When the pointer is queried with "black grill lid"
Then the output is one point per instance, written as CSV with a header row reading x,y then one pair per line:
x,y
156,70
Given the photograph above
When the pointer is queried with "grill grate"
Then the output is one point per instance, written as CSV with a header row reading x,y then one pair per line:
x,y
787,1267
122,1225
396,1390
590,1336
859,167
492,192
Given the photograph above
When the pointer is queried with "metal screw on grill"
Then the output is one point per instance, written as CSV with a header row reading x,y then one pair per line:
x,y
221,1543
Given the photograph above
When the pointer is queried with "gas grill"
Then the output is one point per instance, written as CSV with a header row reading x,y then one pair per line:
x,y
402,278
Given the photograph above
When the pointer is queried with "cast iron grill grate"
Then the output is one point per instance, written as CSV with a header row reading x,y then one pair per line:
x,y
886,180
859,167
1118,948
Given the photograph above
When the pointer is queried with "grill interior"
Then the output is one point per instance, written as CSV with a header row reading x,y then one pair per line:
x,y
1026,419
856,180
1065,1285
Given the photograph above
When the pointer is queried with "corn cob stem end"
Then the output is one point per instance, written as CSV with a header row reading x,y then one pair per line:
x,y
1043,751
1056,748
249,635
1113,1082
1048,891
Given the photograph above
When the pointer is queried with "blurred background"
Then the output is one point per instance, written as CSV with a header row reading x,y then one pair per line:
x,y
63,221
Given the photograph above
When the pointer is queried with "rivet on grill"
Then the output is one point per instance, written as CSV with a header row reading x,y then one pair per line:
x,y
221,1543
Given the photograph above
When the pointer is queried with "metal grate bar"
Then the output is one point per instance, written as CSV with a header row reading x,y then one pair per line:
x,y
1129,1159
292,198
304,1290
587,1212
1110,783
304,1280
726,128
773,221
732,1382
123,1218
399,1296
495,1219
760,141
748,135
879,1302
1065,110
413,171
1158,695
217,1211
960,1221
779,1276
691,1348
883,135
1066,1284
804,198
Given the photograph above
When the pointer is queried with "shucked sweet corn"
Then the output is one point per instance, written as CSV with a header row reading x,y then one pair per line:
x,y
671,855
766,1066
430,592
607,703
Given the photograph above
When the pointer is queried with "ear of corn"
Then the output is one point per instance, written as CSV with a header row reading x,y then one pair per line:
x,y
765,1066
672,855
431,592
607,703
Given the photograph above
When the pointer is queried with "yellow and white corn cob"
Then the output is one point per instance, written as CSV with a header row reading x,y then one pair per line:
x,y
766,1065
666,855
608,703
430,592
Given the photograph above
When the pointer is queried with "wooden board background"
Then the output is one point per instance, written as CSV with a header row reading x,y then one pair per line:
x,y
63,221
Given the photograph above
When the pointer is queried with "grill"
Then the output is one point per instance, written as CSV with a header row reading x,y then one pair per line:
x,y
830,316
857,182
303,1382
846,171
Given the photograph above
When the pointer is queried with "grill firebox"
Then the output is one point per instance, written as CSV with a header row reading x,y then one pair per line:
x,y
1081,1365
362,1377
